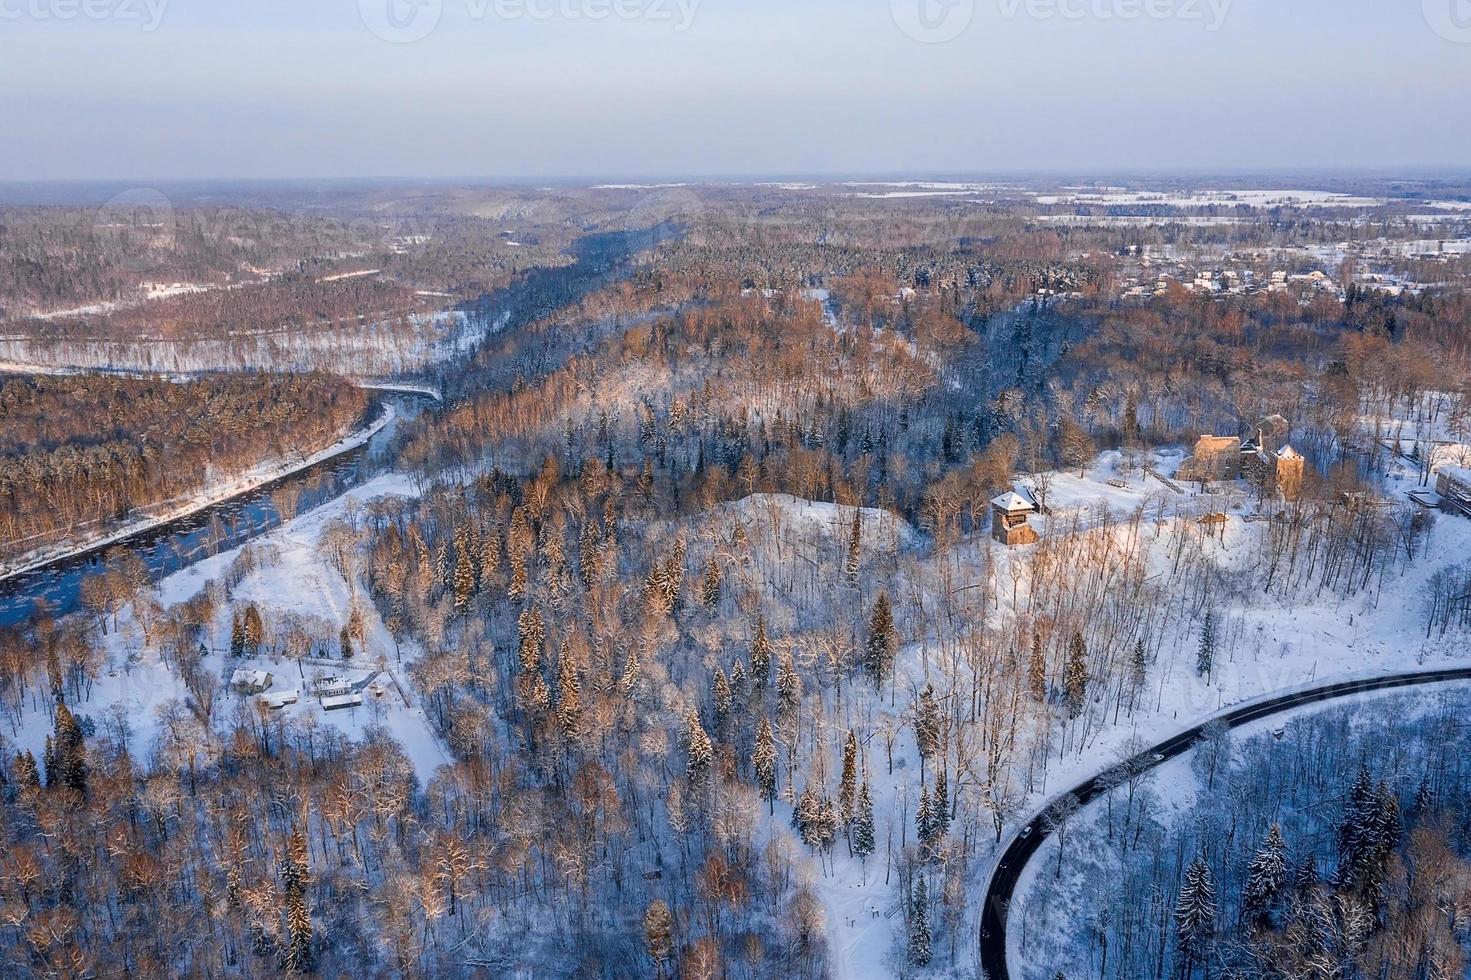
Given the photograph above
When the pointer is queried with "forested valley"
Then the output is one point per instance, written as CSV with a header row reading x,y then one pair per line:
x,y
679,640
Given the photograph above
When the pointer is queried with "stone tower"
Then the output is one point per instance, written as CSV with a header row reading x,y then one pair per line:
x,y
1288,472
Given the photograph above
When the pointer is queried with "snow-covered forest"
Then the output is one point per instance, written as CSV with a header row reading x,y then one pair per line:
x,y
79,454
1331,844
676,641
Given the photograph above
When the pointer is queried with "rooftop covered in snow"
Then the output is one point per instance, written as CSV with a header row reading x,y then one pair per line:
x,y
1012,501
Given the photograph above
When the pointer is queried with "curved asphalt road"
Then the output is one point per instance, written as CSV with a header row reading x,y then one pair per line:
x,y
1027,840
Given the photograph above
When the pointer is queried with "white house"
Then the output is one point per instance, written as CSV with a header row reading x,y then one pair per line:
x,y
1453,483
340,701
245,681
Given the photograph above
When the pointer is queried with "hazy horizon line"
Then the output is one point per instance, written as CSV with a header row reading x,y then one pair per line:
x,y
1429,170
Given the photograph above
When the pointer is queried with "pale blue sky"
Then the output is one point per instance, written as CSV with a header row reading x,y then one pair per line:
x,y
281,88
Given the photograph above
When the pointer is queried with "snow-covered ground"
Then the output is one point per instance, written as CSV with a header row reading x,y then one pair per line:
x,y
184,377
966,187
1049,916
888,195
1224,198
89,309
289,579
1274,645
403,387
350,275
1134,220
147,292
808,525
84,539
1270,641
372,348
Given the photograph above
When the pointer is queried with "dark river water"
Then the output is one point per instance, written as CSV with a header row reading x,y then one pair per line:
x,y
174,546
170,547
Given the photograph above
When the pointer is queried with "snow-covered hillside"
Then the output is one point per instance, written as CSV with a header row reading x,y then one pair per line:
x,y
290,577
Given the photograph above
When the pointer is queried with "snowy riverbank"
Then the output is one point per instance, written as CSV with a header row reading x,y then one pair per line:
x,y
180,508
184,377
289,579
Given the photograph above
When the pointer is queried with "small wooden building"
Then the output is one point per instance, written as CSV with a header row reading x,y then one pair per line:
x,y
1009,519
276,700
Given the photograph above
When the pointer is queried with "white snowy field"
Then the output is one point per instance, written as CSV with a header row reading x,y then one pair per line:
x,y
145,293
87,537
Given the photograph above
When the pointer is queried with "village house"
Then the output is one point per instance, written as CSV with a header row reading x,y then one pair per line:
x,y
1215,458
1453,484
331,686
246,681
1009,519
276,700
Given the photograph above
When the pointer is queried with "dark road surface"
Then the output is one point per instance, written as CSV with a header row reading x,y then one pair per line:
x,y
1025,844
